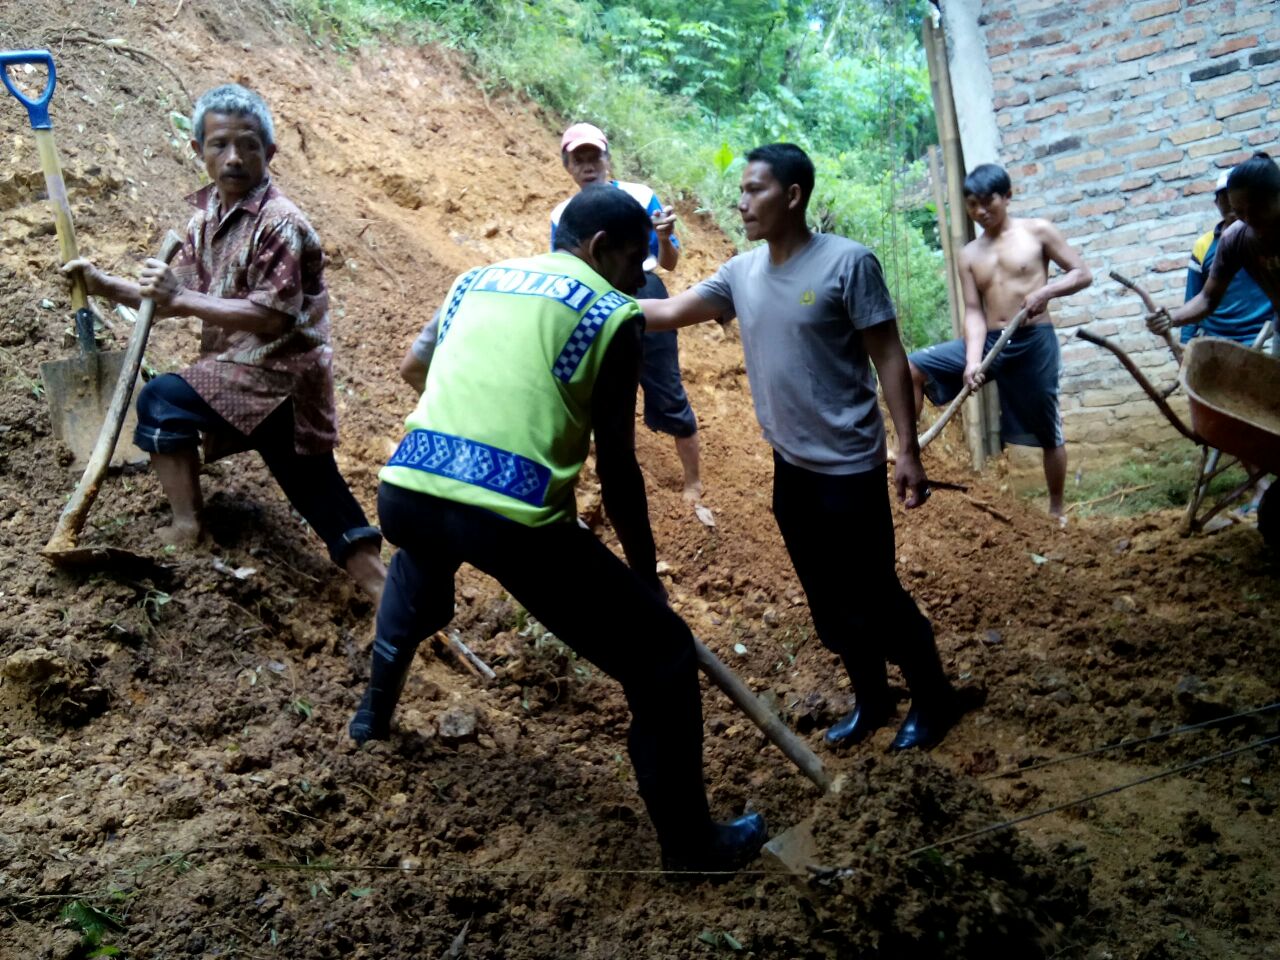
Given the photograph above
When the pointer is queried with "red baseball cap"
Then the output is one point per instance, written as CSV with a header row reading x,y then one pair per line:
x,y
582,135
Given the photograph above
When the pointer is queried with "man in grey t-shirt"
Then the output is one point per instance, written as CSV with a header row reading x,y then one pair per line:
x,y
815,316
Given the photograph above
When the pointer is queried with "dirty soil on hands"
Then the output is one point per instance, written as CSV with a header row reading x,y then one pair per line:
x,y
174,771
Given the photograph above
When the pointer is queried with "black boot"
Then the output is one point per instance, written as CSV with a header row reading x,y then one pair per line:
x,y
372,719
927,723
724,848
873,705
934,708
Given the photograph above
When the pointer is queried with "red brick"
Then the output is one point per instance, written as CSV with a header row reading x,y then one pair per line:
x,y
1188,37
1242,105
1137,183
1161,123
1000,84
1143,145
1045,39
1149,10
1083,159
1260,136
1155,27
1136,51
1163,195
1231,46
1195,131
1224,86
1176,99
1245,121
1199,187
1118,132
1167,60
1040,111
1084,121
1209,148
1025,170
1101,173
1100,206
1231,159
1157,159
1111,39
998,50
1268,76
1240,24
1016,100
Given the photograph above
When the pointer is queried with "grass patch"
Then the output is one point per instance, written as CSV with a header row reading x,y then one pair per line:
x,y
1134,487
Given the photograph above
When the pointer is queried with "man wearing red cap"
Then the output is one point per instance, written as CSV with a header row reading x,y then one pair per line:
x,y
584,150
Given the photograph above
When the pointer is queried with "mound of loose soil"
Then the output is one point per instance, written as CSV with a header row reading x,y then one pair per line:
x,y
172,749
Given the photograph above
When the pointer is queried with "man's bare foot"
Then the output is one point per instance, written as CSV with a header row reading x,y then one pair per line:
x,y
692,492
182,534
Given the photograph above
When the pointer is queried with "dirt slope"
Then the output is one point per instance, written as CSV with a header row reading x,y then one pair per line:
x,y
171,744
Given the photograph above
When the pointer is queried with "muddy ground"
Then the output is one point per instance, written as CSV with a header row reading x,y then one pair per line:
x,y
174,772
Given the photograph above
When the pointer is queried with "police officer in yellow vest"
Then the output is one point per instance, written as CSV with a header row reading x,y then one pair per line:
x,y
530,357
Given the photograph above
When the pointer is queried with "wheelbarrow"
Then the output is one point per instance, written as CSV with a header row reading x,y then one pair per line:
x,y
1233,392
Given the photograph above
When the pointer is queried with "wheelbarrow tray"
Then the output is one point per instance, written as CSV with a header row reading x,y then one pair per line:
x,y
1234,396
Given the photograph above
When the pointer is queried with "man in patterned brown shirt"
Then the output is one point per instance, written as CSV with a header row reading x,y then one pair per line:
x,y
252,269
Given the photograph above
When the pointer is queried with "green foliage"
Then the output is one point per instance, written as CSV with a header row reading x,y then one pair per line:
x,y
94,924
684,90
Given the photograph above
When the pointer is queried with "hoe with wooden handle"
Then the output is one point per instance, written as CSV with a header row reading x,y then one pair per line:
x,y
63,548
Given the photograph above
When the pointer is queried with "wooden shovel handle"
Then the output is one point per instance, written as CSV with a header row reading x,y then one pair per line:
x,y
936,427
779,734
73,515
61,206
1149,302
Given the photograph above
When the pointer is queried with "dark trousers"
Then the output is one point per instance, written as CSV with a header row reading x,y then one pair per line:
x,y
171,417
839,533
579,591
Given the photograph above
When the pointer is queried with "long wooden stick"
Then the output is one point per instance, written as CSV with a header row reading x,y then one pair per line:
x,y
1150,304
779,734
67,532
1156,397
1009,330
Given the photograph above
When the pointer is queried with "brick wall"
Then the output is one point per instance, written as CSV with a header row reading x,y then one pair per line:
x,y
1115,119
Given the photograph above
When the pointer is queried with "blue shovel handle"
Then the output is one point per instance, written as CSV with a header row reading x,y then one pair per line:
x,y
37,109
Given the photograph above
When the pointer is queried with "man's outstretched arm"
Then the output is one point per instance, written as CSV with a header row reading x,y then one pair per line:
x,y
682,310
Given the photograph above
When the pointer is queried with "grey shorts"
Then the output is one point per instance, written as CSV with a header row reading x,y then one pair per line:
x,y
1026,372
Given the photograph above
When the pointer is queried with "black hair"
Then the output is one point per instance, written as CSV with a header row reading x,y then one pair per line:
x,y
988,179
1258,176
789,164
600,207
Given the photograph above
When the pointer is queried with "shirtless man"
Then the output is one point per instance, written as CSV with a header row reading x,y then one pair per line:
x,y
1003,271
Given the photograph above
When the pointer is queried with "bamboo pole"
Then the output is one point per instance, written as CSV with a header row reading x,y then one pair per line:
x,y
961,231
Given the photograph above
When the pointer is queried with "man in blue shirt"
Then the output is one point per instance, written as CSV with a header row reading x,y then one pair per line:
x,y
584,150
1244,307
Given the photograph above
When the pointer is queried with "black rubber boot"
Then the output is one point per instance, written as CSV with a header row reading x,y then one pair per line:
x,y
873,704
724,848
934,707
372,719
927,723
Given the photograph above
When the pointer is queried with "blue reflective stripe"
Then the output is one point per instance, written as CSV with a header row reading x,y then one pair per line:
x,y
584,334
479,464
455,302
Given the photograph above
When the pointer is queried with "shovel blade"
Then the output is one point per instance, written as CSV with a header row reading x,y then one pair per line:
x,y
79,392
794,849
